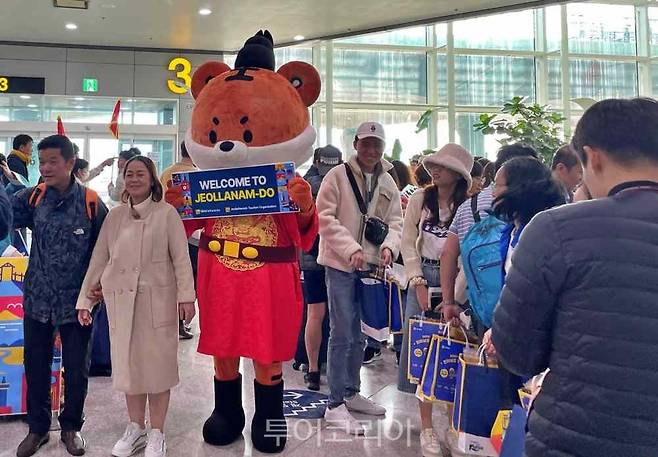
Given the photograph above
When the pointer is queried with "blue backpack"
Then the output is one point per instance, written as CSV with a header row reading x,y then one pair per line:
x,y
482,263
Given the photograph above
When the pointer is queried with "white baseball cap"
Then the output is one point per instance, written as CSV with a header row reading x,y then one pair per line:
x,y
371,129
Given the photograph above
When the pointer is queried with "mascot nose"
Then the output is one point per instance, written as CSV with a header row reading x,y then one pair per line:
x,y
226,146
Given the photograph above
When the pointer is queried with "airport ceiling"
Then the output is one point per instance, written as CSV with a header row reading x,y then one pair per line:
x,y
179,24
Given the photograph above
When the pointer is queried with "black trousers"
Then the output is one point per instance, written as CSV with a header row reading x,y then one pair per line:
x,y
39,340
194,256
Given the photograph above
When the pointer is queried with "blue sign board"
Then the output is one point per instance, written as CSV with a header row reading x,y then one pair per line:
x,y
261,189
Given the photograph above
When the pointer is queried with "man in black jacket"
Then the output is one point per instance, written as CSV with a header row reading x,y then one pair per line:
x,y
581,297
21,155
65,224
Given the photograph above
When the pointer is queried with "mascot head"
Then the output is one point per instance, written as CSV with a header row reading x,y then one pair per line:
x,y
252,115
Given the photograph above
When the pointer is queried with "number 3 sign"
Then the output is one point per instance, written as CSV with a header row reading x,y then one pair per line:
x,y
183,80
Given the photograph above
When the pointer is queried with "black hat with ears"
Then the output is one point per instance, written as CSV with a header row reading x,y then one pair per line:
x,y
257,52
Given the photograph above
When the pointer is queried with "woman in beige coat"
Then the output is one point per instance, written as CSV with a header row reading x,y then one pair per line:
x,y
141,267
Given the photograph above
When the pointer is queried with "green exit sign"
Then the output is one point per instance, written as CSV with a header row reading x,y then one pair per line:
x,y
89,85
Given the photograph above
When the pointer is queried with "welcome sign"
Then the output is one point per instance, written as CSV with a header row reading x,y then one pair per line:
x,y
261,189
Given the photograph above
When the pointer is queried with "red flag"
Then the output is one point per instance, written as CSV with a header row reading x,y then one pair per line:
x,y
60,126
114,123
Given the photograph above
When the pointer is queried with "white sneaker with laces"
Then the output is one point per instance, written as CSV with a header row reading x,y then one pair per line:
x,y
133,440
340,418
429,443
156,447
361,404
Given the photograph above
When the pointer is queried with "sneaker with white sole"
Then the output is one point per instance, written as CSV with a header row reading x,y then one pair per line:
x,y
339,418
361,404
429,443
155,447
133,440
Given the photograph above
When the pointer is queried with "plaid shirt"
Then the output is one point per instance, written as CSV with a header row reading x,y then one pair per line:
x,y
63,239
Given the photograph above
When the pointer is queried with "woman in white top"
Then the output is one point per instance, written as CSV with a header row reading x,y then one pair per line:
x,y
428,216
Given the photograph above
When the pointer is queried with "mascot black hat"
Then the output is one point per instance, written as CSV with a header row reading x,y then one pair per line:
x,y
257,52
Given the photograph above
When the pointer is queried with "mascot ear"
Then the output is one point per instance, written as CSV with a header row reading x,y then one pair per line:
x,y
205,73
304,78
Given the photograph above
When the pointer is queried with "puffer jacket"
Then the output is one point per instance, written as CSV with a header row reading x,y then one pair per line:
x,y
581,299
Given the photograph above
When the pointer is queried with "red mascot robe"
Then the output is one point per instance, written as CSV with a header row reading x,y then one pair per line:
x,y
247,308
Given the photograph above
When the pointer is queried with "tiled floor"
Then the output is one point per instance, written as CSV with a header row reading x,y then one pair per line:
x,y
192,401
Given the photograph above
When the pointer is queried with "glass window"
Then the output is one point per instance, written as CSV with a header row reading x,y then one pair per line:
x,y
489,80
554,82
442,74
414,36
398,125
603,79
474,141
291,53
601,29
553,18
380,76
515,31
654,79
229,59
441,34
653,26
442,129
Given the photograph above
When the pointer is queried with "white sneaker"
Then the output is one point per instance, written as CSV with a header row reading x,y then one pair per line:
x,y
133,440
429,443
340,418
361,404
156,446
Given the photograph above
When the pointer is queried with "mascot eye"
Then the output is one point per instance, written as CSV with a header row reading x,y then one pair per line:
x,y
215,121
296,82
248,136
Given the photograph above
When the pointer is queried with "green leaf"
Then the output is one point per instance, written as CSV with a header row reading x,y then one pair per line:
x,y
424,121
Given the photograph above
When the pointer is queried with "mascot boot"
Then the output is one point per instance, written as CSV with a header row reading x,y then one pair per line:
x,y
226,422
268,427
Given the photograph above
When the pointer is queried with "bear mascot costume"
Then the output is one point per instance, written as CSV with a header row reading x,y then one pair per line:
x,y
249,290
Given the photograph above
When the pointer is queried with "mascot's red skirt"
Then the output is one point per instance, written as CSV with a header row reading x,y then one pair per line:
x,y
247,308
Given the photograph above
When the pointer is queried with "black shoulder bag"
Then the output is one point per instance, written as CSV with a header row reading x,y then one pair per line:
x,y
375,230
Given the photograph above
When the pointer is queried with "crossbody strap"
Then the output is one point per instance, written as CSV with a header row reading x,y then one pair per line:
x,y
474,208
355,188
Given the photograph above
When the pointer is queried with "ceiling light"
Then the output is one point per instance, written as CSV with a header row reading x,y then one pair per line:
x,y
130,100
298,37
79,99
79,106
205,11
31,105
25,97
71,26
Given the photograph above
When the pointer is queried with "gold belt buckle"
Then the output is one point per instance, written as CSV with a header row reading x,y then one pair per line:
x,y
231,249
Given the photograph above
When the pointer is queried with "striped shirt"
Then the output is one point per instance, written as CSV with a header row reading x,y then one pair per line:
x,y
464,220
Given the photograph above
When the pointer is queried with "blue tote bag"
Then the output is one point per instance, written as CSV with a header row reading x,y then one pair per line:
x,y
421,330
371,293
395,309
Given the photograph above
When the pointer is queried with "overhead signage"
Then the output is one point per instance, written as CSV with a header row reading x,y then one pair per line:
x,y
22,85
261,189
90,85
183,81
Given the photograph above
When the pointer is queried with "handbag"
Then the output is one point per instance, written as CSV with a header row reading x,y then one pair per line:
x,y
421,330
371,294
375,230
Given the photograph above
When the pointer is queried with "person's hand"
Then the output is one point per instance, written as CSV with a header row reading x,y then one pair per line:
x,y
95,293
300,193
186,312
451,314
487,342
84,317
357,260
423,299
108,162
174,195
5,169
386,258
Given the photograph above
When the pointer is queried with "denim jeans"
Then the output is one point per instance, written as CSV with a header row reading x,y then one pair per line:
x,y
431,274
346,342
